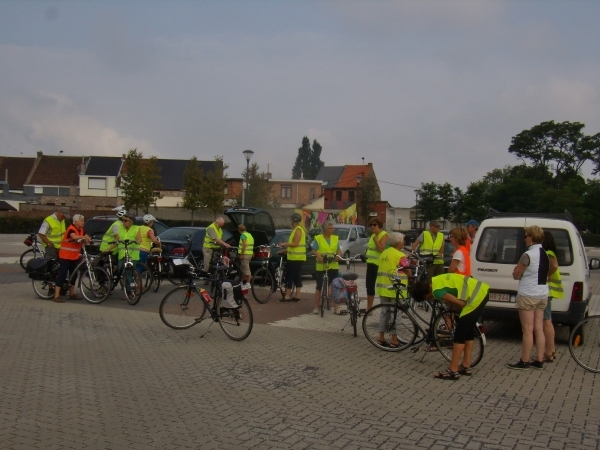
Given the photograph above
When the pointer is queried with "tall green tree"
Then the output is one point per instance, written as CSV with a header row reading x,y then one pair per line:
x,y
308,162
260,191
368,193
215,182
139,181
193,185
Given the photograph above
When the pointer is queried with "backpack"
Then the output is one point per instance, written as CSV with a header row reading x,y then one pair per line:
x,y
339,291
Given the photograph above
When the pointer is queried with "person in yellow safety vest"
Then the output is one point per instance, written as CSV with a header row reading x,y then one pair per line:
x,y
148,238
213,240
326,244
464,293
129,232
296,256
377,243
246,252
555,290
51,232
432,243
111,237
392,262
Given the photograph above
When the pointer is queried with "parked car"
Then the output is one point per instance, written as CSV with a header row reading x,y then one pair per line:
x,y
97,226
353,239
496,250
175,244
258,222
309,266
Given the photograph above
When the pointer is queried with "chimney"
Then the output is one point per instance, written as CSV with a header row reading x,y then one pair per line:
x,y
40,154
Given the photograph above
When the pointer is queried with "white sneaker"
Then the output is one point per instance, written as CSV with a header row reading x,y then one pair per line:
x,y
315,311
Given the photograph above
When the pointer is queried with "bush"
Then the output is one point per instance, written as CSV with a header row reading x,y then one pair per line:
x,y
591,240
19,225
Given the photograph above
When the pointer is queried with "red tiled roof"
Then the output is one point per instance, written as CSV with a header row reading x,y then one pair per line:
x,y
18,170
348,178
57,171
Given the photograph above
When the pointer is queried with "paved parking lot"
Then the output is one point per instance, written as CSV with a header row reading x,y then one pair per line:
x,y
112,376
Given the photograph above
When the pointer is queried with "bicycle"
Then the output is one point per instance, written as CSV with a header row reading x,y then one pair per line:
x,y
325,295
35,252
128,276
156,266
269,278
186,306
400,318
584,344
353,302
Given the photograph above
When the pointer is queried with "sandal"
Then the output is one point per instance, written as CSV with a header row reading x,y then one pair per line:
x,y
383,343
74,297
394,344
549,358
447,375
466,371
59,300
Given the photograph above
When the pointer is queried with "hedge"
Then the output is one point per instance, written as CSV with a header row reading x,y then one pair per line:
x,y
591,240
19,225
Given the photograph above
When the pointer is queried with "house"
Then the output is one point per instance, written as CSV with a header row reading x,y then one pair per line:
x,y
294,193
14,172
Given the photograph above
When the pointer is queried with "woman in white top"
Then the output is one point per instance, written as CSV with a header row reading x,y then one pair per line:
x,y
532,297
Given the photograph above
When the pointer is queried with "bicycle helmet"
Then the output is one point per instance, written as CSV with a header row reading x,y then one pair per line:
x,y
296,217
121,213
148,218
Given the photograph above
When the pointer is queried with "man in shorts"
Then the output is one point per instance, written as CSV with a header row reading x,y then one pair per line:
x,y
246,251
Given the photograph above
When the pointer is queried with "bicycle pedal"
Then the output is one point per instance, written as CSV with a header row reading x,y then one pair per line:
x,y
414,350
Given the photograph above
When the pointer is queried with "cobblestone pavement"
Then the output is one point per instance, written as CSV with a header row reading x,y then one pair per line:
x,y
112,376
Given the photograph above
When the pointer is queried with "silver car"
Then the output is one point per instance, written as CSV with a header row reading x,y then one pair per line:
x,y
353,239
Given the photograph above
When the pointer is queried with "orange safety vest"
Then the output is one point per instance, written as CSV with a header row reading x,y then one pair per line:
x,y
69,249
467,261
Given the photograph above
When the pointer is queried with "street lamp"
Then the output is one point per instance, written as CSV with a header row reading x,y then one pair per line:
x,y
247,154
358,179
417,192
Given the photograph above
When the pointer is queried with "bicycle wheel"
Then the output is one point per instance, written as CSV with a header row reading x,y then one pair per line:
x,y
381,317
146,276
156,268
262,285
584,344
177,275
132,285
282,288
94,284
443,333
353,310
236,323
43,288
27,255
323,300
181,309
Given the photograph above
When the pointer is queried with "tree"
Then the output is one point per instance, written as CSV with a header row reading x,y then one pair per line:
x,y
215,182
368,193
559,147
259,189
308,162
436,201
139,181
193,185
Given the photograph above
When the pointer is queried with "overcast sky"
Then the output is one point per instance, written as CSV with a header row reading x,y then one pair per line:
x,y
425,90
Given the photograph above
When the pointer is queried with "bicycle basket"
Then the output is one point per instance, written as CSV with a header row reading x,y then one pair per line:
x,y
28,242
351,285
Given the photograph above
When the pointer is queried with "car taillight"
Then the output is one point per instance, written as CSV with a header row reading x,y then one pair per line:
x,y
178,251
577,294
262,253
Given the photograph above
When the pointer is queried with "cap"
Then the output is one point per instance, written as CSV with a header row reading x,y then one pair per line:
x,y
434,223
472,222
296,217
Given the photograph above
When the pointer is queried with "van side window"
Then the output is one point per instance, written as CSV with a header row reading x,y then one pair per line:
x,y
353,234
564,248
500,245
362,233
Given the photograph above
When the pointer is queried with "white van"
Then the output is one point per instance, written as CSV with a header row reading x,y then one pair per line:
x,y
496,250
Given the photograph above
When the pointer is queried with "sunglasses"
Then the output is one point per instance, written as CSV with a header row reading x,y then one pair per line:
x,y
373,225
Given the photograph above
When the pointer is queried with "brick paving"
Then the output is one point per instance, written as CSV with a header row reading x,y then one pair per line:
x,y
112,376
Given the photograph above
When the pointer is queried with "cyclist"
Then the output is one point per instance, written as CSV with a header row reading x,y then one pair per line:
x,y
296,255
112,234
246,251
470,296
213,239
52,231
130,232
68,256
432,243
326,244
390,261
377,244
148,238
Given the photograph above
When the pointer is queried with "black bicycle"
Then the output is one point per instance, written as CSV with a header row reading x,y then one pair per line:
x,y
269,277
187,305
35,252
584,344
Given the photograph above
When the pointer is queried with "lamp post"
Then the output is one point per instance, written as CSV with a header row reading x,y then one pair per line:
x,y
417,192
358,179
247,154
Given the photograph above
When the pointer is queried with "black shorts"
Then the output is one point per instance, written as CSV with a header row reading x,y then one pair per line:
x,y
331,273
293,274
371,278
465,325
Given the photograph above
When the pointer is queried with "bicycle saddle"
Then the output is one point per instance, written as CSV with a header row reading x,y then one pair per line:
x,y
350,276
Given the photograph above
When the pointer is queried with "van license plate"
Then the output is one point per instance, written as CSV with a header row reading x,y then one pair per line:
x,y
495,297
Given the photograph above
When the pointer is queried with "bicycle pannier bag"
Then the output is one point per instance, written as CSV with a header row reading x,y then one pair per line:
x,y
232,295
339,291
36,268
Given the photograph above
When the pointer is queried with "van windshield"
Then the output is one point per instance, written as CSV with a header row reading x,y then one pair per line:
x,y
341,233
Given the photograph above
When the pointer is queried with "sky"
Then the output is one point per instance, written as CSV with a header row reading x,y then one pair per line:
x,y
425,90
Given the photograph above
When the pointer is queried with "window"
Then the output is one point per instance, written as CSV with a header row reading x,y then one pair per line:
x,y
500,245
362,233
338,196
350,196
96,183
226,190
353,234
312,193
286,191
39,189
564,249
